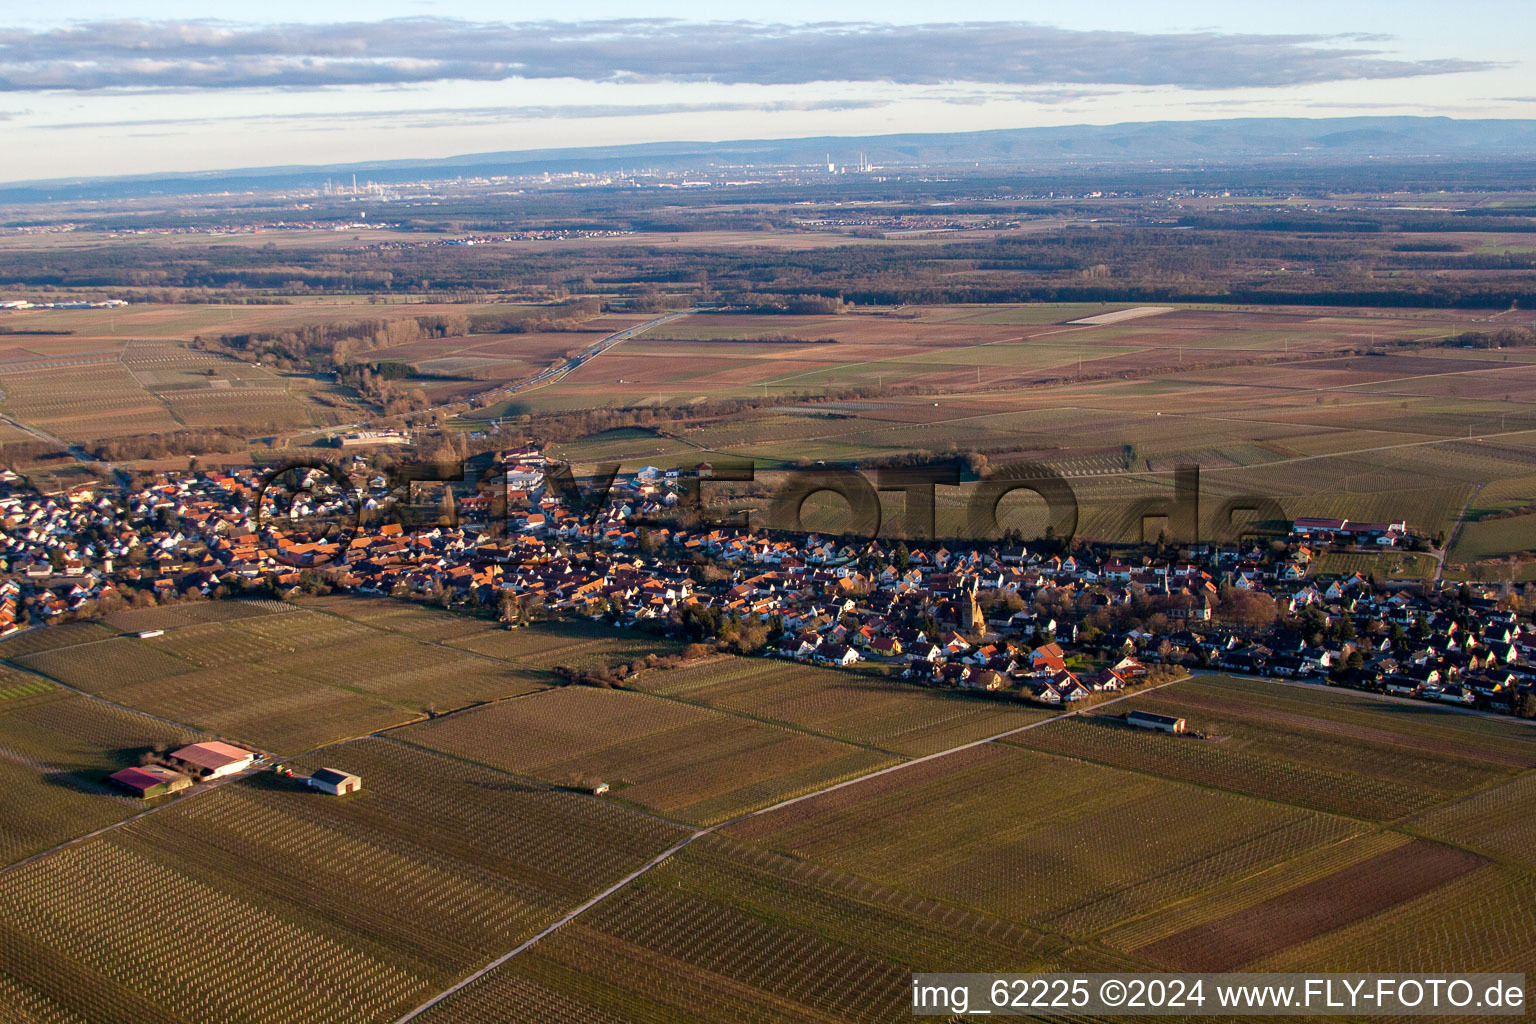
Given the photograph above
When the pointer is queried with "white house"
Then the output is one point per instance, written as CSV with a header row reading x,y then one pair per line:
x,y
336,783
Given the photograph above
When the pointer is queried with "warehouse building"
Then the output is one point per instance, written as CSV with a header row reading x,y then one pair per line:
x,y
215,758
336,783
1161,723
152,780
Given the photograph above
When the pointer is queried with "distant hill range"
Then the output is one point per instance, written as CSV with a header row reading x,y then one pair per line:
x,y
1342,140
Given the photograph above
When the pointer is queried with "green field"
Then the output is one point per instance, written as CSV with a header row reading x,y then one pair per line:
x,y
1491,538
1397,565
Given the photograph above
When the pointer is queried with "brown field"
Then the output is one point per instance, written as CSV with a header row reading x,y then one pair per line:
x,y
1322,434
1349,895
411,619
170,616
1040,839
134,387
1480,921
267,707
1350,435
34,640
687,762
893,716
152,320
1318,444
940,350
299,907
1295,764
575,645
1500,821
56,751
288,679
726,932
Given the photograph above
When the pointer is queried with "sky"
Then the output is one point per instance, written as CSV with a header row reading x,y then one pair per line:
x,y
92,88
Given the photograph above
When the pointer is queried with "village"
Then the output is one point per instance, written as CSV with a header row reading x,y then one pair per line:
x,y
1053,628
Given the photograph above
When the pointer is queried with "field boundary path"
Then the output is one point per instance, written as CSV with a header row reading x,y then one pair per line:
x,y
677,847
1450,538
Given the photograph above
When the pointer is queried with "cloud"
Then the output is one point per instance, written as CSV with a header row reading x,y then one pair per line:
x,y
440,116
226,55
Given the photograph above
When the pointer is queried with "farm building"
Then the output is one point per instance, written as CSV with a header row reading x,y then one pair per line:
x,y
336,783
151,780
216,758
1161,723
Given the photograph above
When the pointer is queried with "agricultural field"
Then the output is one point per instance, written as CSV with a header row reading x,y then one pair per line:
x,y
190,613
1039,839
105,665
1396,565
683,761
68,634
947,347
572,645
893,716
1115,408
1237,894
724,931
1243,932
1481,920
56,750
1491,538
299,906
413,620
119,388
287,679
152,321
1500,821
265,706
1350,755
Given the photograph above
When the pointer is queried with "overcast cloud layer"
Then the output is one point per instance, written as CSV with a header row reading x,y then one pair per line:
x,y
139,55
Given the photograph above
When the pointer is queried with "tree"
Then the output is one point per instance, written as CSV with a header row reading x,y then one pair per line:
x,y
700,621
1525,704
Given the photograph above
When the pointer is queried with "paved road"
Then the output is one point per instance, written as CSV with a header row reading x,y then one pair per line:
x,y
78,453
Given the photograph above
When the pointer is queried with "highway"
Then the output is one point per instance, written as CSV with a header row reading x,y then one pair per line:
x,y
550,374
